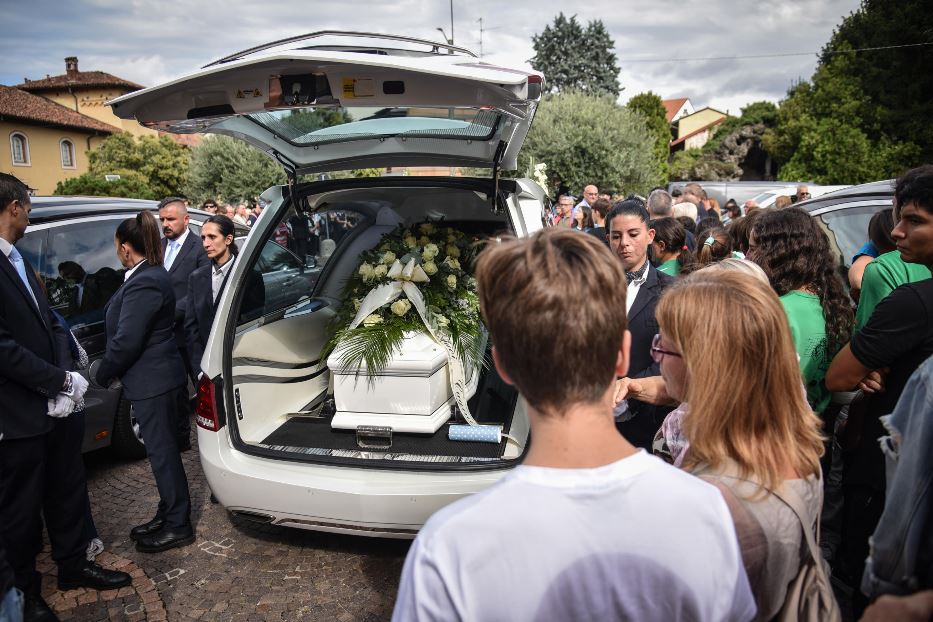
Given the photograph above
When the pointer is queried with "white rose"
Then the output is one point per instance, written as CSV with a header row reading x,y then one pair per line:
x,y
372,320
451,281
380,271
453,264
429,268
430,252
387,258
410,241
366,271
427,228
357,303
400,307
452,251
442,321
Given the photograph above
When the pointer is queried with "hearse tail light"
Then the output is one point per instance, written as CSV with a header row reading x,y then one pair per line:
x,y
206,410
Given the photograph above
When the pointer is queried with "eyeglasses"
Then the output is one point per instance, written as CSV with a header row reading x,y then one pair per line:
x,y
658,353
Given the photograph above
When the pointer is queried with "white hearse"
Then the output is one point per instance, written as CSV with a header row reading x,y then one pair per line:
x,y
340,101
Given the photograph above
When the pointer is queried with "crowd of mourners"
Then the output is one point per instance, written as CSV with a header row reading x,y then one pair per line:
x,y
789,417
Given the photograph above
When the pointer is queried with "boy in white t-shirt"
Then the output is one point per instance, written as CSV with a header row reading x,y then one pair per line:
x,y
588,527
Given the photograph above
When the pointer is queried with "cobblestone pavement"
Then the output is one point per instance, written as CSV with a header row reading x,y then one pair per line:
x,y
234,571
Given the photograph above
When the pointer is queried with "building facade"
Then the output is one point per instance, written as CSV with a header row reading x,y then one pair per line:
x,y
44,142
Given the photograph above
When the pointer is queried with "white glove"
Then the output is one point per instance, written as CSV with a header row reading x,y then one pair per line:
x,y
61,406
78,386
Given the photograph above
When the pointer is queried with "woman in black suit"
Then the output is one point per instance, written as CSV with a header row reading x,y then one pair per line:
x,y
142,353
206,284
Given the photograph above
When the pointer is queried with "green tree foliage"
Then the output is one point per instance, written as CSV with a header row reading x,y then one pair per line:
x,y
131,185
649,107
585,139
162,162
316,119
864,115
574,58
227,169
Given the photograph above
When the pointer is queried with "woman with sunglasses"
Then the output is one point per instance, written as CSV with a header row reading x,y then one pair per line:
x,y
755,437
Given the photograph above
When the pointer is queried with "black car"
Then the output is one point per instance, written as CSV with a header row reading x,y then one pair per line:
x,y
844,216
70,242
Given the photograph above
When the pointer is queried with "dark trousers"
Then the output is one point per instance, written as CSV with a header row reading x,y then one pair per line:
x,y
22,469
66,506
157,418
183,409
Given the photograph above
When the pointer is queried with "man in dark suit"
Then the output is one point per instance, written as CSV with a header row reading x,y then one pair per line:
x,y
34,386
629,239
182,253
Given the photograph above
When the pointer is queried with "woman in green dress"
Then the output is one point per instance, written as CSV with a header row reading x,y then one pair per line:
x,y
671,254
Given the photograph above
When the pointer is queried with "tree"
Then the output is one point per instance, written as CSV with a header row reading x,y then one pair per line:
x,y
586,139
578,59
649,107
131,185
227,169
162,162
864,115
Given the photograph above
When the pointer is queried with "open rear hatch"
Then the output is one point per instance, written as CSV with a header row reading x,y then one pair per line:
x,y
390,109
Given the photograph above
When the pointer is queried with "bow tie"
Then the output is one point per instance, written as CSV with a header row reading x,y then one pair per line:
x,y
637,274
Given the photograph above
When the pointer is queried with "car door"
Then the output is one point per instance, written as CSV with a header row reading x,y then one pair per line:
x,y
382,109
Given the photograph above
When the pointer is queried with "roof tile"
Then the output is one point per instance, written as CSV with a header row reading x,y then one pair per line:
x,y
18,104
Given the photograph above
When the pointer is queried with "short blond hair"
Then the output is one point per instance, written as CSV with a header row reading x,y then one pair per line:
x,y
556,335
761,420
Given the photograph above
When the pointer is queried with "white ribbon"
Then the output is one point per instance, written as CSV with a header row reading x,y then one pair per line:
x,y
404,283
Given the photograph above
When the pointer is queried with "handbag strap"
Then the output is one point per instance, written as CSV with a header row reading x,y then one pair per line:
x,y
792,500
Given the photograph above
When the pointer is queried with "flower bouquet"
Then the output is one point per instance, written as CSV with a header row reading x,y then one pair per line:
x,y
416,281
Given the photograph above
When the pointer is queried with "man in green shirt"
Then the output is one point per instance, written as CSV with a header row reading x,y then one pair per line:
x,y
881,277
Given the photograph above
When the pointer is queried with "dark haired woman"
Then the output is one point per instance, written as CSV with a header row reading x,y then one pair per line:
x,y
142,354
794,253
670,246
713,245
206,283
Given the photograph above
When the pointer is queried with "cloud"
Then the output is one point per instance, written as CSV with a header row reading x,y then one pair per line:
x,y
151,41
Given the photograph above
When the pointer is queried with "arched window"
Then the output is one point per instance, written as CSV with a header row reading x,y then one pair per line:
x,y
19,146
68,153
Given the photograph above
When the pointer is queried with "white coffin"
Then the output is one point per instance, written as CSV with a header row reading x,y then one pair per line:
x,y
412,394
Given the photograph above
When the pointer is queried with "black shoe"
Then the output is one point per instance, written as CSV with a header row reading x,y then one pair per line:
x,y
93,576
147,528
167,538
35,609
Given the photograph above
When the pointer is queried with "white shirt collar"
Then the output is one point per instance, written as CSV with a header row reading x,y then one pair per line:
x,y
180,240
224,269
129,273
6,247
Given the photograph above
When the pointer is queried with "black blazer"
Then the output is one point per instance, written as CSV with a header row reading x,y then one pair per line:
x,y
33,350
643,326
201,307
141,348
190,257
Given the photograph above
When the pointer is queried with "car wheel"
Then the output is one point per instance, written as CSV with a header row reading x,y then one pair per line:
x,y
127,439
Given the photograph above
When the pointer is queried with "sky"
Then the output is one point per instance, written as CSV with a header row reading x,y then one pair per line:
x,y
664,46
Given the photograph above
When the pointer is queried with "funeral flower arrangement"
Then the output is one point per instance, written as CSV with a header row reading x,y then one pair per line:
x,y
417,280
